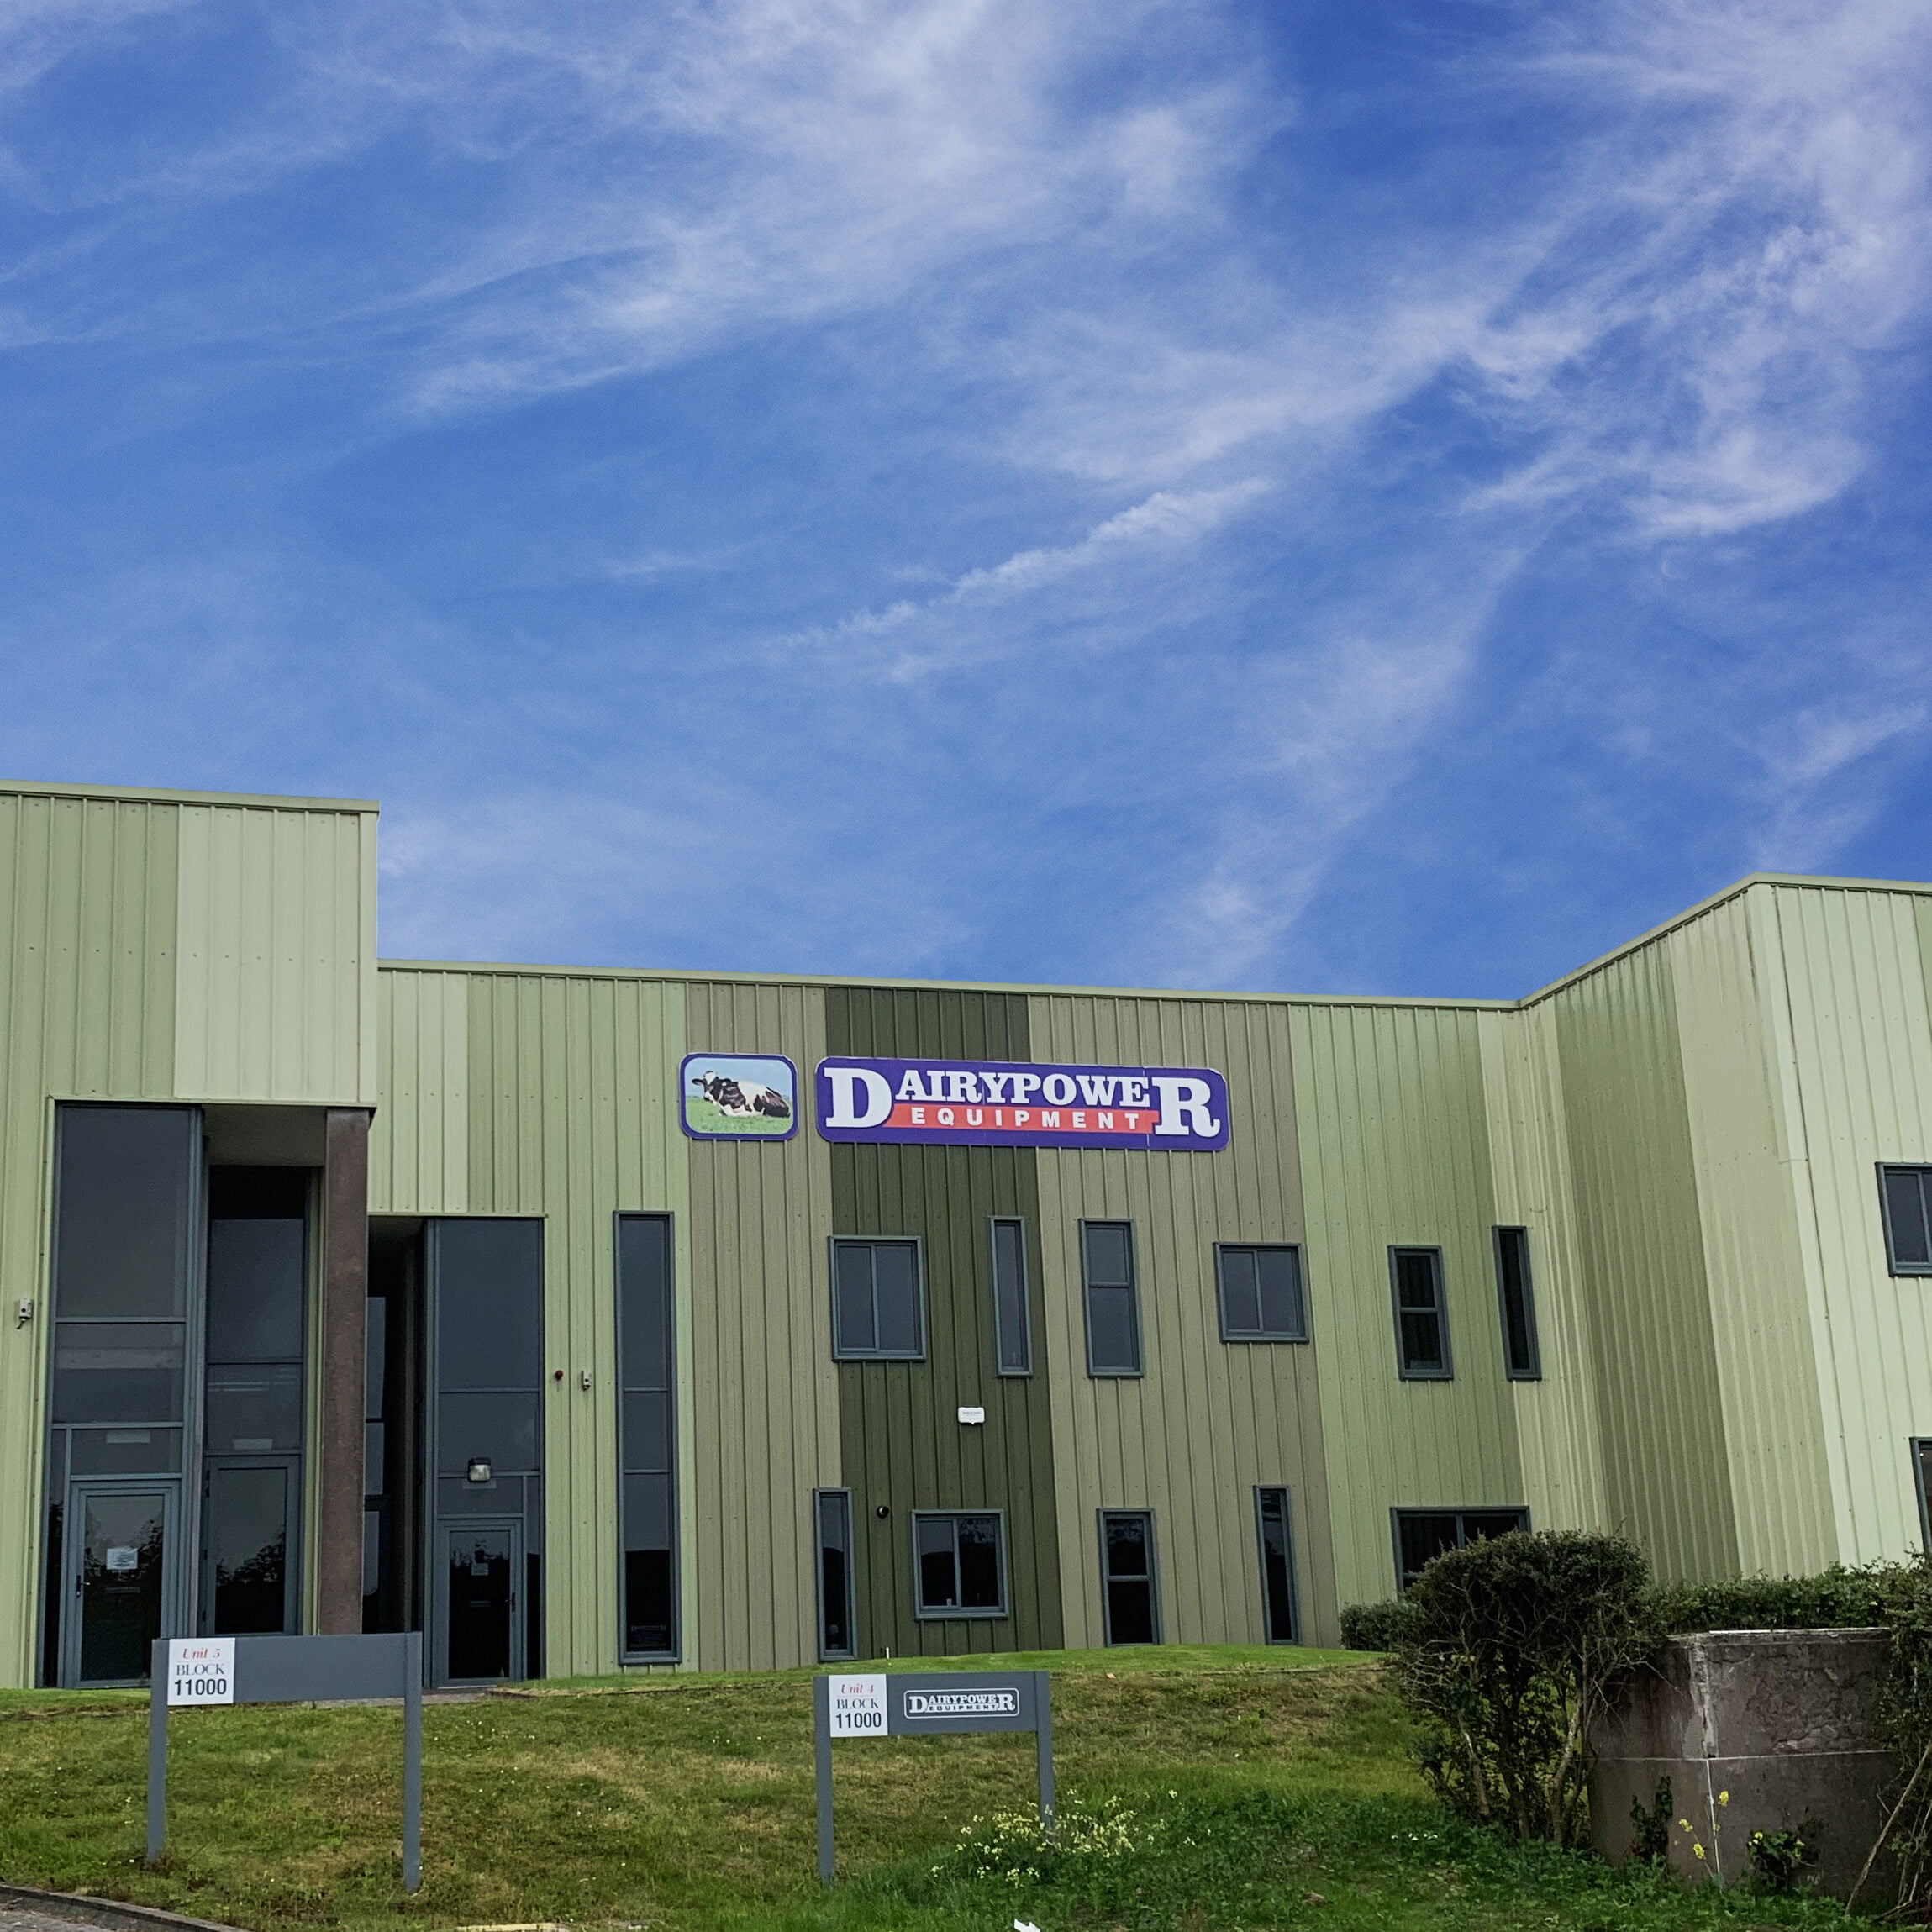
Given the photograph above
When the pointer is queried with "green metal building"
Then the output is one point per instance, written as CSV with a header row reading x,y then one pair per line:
x,y
553,1311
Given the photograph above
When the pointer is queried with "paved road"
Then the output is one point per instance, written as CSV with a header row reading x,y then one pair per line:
x,y
17,1921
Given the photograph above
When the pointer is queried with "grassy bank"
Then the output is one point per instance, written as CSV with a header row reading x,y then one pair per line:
x,y
1242,1793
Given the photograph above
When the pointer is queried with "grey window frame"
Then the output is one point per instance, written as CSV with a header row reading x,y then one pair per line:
x,y
1458,1510
994,1223
1903,1270
851,1650
960,1614
1287,1496
1242,1336
1087,1287
1447,1372
1512,1369
1100,1516
916,1243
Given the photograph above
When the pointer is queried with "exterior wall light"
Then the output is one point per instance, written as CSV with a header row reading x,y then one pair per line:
x,y
479,1469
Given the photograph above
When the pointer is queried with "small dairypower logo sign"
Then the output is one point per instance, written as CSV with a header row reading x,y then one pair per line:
x,y
962,1703
858,1706
200,1670
1003,1103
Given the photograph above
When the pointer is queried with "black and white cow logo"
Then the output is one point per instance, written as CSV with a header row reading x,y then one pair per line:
x,y
743,1099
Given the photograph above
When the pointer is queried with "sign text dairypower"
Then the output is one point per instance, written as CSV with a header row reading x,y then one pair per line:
x,y
1008,1103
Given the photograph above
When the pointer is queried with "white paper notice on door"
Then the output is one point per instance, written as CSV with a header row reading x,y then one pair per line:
x,y
201,1670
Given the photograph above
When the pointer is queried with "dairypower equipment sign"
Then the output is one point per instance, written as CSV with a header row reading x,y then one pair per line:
x,y
1030,1104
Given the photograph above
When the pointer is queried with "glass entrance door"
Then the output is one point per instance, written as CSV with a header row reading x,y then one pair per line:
x,y
483,1621
120,1579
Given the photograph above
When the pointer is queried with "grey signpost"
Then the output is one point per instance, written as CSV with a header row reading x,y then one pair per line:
x,y
921,1703
191,1671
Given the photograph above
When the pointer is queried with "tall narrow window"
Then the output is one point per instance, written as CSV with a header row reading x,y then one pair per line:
x,y
1113,1302
837,1635
257,1281
1259,1285
1522,1358
1275,1534
1905,1196
1421,1320
646,1331
1422,1535
878,1312
1922,1473
1127,1576
960,1564
1012,1329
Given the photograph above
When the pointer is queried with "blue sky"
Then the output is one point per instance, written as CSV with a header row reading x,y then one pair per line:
x,y
1323,497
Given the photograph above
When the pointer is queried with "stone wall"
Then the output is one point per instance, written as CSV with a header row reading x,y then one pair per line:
x,y
1756,1730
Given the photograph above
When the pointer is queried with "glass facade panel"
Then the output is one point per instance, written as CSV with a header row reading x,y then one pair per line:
x,y
125,1451
120,1372
254,1408
255,1282
248,1535
481,1581
125,1202
489,1285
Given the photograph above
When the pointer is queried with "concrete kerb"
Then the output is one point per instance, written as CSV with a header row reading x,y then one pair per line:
x,y
112,1915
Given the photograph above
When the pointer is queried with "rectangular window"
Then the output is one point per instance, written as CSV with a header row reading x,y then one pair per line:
x,y
647,1434
1905,1195
1421,1318
1275,1529
1113,1303
1522,1358
1011,1317
1127,1576
1423,1533
959,1564
878,1312
1259,1285
833,1511
1921,1474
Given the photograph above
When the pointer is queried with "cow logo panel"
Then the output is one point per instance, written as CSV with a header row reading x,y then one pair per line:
x,y
738,1096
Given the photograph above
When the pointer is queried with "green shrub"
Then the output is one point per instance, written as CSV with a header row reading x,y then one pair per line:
x,y
1507,1652
1373,1626
1837,1598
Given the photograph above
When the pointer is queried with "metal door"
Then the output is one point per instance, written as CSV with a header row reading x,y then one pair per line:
x,y
480,1611
123,1583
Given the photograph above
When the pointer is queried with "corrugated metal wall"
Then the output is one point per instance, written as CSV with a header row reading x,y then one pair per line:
x,y
902,1444
276,992
1209,1419
764,1424
1860,1091
1760,1326
419,1139
1666,1474
1395,1150
1529,1158
86,1012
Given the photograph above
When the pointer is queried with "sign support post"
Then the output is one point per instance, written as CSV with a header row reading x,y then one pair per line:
x,y
200,1670
922,1703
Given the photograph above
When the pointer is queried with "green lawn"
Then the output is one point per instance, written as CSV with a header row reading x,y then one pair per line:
x,y
1251,1789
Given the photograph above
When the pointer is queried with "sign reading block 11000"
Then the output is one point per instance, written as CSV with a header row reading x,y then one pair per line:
x,y
1007,1104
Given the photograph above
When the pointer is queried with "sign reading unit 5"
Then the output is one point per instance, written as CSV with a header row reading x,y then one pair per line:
x,y
1004,1103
